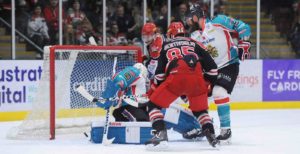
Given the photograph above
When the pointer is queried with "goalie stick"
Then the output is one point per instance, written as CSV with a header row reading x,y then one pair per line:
x,y
80,89
105,140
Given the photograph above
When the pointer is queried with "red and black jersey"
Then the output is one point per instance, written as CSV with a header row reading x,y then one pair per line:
x,y
178,48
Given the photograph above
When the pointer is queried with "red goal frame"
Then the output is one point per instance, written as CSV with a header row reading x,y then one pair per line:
x,y
52,71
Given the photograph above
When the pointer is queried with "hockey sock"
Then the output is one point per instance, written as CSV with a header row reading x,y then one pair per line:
x,y
224,115
222,101
203,117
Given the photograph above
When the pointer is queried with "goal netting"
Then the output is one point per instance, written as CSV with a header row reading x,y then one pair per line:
x,y
58,108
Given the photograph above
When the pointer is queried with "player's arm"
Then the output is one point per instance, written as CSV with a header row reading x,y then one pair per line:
x,y
160,75
139,88
113,85
208,64
242,29
239,26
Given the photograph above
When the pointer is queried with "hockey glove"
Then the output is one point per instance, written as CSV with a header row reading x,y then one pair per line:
x,y
244,49
107,104
151,90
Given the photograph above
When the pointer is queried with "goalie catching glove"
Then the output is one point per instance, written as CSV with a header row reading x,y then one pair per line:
x,y
244,49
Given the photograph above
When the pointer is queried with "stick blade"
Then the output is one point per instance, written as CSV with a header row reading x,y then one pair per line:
x,y
84,93
107,142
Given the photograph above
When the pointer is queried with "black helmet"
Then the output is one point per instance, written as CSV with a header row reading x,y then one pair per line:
x,y
197,10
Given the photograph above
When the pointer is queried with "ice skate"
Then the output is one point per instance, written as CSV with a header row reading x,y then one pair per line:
x,y
211,138
195,134
159,141
225,136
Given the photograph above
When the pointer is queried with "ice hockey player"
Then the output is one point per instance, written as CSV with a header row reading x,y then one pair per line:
x,y
176,29
179,72
129,81
149,32
186,124
214,34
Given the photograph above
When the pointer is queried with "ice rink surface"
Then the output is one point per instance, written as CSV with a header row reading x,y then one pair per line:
x,y
254,132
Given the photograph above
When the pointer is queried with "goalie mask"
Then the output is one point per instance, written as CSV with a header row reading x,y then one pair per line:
x,y
156,46
175,28
142,68
148,32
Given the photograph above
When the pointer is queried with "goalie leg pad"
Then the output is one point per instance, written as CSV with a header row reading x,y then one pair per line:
x,y
123,132
180,119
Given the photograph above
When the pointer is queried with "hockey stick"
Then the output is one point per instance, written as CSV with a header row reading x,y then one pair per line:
x,y
225,64
80,89
105,140
228,63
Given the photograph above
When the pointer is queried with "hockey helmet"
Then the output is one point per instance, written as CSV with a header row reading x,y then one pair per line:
x,y
175,28
143,70
155,47
197,11
148,32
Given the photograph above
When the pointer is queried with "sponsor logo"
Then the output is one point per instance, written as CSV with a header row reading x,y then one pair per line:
x,y
247,80
15,87
278,84
98,84
115,123
224,76
207,41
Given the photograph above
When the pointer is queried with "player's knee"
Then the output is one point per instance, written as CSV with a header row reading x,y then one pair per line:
x,y
219,92
142,116
198,113
151,106
220,95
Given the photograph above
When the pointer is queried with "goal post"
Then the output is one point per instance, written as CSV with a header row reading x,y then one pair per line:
x,y
57,107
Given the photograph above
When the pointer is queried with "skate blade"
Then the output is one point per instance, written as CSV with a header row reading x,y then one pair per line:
x,y
226,142
217,147
162,146
107,142
198,139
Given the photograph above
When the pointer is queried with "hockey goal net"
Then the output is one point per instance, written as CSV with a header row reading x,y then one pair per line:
x,y
58,108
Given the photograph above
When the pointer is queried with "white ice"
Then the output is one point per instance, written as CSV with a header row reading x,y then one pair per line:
x,y
254,132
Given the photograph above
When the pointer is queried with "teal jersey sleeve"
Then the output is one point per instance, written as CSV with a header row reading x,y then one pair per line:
x,y
126,77
120,81
239,26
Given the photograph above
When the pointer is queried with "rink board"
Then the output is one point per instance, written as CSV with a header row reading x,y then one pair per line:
x,y
262,84
20,115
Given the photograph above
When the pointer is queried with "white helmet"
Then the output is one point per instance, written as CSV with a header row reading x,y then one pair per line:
x,y
142,69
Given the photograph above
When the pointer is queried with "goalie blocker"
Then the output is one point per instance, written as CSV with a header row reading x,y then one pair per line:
x,y
176,117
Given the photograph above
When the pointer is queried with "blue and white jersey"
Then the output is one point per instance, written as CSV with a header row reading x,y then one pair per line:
x,y
216,33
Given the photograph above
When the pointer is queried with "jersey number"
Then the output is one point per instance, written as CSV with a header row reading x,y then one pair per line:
x,y
180,52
